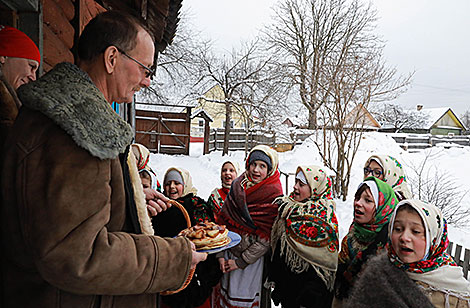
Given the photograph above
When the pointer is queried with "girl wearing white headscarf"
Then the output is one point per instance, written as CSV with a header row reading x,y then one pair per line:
x,y
228,172
431,278
391,172
304,242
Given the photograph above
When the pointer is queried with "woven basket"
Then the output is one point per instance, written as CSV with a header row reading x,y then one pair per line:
x,y
191,271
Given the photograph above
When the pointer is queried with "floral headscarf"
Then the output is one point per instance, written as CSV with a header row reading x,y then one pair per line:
x,y
308,230
384,207
394,175
364,240
435,227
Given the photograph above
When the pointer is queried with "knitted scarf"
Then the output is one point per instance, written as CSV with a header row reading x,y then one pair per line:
x,y
249,210
308,230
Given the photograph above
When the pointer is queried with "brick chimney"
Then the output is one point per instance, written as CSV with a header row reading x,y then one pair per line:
x,y
419,107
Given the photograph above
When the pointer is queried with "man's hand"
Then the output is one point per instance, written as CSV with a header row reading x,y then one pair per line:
x,y
197,256
156,201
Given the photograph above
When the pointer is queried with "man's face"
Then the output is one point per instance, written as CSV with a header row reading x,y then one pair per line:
x,y
19,71
130,76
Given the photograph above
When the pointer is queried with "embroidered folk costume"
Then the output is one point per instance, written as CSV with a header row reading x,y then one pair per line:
x,y
305,245
218,195
248,210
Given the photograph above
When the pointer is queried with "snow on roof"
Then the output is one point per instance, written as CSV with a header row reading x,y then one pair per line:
x,y
196,112
160,108
434,115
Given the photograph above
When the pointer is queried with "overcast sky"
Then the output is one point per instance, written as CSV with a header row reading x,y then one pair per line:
x,y
430,37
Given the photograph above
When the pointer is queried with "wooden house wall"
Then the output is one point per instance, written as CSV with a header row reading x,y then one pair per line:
x,y
59,18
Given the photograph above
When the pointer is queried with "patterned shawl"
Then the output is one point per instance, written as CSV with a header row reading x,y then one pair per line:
x,y
308,231
248,208
436,239
394,175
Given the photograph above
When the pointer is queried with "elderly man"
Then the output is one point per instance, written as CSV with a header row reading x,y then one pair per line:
x,y
19,60
73,233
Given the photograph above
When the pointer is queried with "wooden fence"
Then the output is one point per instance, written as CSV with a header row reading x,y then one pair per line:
x,y
456,254
420,142
239,139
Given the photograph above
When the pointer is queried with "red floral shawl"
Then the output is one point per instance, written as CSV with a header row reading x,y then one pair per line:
x,y
251,211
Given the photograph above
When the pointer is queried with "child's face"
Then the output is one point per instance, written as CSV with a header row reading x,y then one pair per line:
x,y
301,191
374,170
364,207
228,174
173,189
146,183
409,236
258,171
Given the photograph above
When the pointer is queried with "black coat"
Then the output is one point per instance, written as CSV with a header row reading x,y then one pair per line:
x,y
343,284
293,290
208,273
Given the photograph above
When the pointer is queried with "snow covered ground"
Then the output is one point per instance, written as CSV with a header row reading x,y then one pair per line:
x,y
205,170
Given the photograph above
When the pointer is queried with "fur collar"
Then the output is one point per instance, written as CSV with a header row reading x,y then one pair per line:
x,y
70,99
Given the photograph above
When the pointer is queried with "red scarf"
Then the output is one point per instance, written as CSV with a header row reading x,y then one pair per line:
x,y
251,211
223,192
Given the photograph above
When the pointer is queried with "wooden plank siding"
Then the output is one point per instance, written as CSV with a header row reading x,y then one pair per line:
x,y
58,28
163,132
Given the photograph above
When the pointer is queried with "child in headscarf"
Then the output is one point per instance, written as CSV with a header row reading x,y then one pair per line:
x,y
248,210
389,170
147,175
416,271
304,242
228,173
177,185
374,203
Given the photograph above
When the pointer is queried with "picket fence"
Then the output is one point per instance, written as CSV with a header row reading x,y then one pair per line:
x,y
457,254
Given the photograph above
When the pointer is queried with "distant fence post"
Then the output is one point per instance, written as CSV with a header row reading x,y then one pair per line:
x,y
456,256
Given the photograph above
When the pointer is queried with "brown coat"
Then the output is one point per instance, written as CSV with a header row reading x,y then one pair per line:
x,y
67,234
9,105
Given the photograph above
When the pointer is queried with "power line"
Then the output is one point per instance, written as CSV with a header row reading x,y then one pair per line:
x,y
441,88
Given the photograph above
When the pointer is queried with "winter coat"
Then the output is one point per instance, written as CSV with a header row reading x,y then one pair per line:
x,y
383,285
69,221
9,105
295,290
208,273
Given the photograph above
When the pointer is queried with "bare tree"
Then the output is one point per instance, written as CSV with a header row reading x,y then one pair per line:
x,y
177,66
393,116
242,76
465,117
439,188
